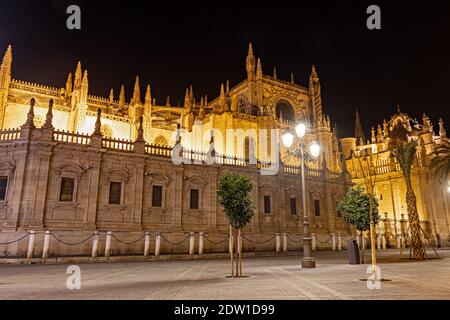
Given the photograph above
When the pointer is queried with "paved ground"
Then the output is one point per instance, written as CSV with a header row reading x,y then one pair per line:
x,y
270,278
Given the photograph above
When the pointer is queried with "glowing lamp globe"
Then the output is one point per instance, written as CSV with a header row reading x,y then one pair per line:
x,y
300,129
288,139
314,149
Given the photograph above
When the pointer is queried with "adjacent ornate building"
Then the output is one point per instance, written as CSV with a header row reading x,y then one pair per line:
x,y
75,163
432,196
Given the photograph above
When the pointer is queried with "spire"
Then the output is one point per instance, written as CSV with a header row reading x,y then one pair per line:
x,y
379,134
275,73
222,91
78,75
85,80
98,123
373,138
49,117
111,96
122,97
136,93
29,123
187,99
191,94
259,72
7,58
359,132
148,96
314,72
168,101
140,136
69,84
250,63
385,128
84,89
442,132
5,69
228,87
398,109
425,123
292,78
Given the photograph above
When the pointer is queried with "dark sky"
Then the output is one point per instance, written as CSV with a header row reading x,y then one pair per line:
x,y
172,45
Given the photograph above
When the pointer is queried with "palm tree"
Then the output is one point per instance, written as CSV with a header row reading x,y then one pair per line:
x,y
440,164
404,152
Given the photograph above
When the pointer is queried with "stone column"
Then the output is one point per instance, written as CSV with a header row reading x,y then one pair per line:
x,y
333,241
93,177
201,243
95,245
178,198
46,248
313,241
146,244
339,241
285,243
158,244
277,242
383,242
31,242
108,244
378,241
191,243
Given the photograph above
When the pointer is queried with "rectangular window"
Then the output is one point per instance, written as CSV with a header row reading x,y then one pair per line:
x,y
157,196
3,187
115,192
194,199
267,204
67,187
293,206
317,208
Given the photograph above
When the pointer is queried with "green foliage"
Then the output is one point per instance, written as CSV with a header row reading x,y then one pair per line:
x,y
235,196
355,207
404,153
441,162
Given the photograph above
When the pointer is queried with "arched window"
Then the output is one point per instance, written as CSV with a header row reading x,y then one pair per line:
x,y
106,131
285,109
161,141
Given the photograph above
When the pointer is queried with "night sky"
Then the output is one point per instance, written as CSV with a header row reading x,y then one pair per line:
x,y
172,45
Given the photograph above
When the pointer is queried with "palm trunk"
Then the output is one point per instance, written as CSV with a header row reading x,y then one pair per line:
x,y
414,223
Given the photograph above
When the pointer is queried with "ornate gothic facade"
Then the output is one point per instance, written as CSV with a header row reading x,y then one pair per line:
x,y
74,163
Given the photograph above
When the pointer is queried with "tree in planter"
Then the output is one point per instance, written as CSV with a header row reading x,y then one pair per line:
x,y
235,196
356,207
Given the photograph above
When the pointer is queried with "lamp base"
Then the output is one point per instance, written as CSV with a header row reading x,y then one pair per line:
x,y
308,263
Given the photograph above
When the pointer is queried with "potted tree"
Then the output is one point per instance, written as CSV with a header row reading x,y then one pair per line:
x,y
235,195
357,207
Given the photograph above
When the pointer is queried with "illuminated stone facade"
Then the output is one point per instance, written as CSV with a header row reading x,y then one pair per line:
x,y
432,196
76,170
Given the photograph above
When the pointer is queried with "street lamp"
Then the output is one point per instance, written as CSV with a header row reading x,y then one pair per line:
x,y
314,148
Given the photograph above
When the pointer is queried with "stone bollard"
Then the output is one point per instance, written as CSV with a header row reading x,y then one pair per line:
x,y
108,244
95,245
339,242
285,244
313,241
146,244
31,242
191,243
201,243
277,242
378,242
158,244
46,244
383,242
399,242
333,242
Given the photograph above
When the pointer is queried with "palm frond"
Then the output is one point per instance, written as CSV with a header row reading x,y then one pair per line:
x,y
404,153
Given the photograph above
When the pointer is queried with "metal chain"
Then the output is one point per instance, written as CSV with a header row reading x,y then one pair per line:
x,y
323,241
174,243
260,242
287,236
220,242
72,244
11,242
128,243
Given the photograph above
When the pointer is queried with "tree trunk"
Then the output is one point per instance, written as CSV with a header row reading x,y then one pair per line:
x,y
231,251
237,252
414,224
240,252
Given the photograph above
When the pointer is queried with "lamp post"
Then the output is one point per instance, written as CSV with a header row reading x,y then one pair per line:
x,y
314,148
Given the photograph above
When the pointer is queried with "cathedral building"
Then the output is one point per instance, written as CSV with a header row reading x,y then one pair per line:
x,y
390,188
73,163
